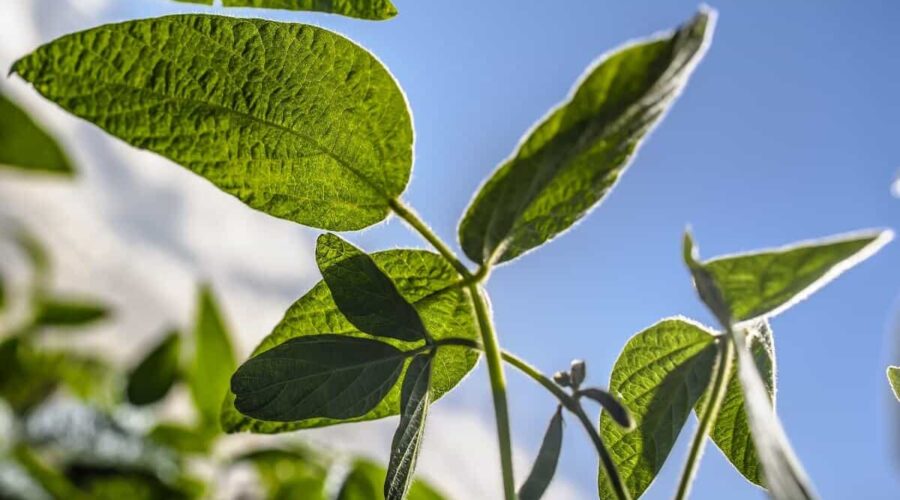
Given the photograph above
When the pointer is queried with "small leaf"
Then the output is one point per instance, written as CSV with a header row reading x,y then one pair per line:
x,y
578,372
570,161
365,481
181,438
893,375
414,403
424,279
25,145
213,360
366,296
763,283
49,479
59,312
545,465
152,378
610,405
659,376
732,431
294,120
324,376
363,9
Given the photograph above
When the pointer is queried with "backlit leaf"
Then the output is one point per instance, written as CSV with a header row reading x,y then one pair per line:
x,y
545,465
58,312
213,360
152,378
291,473
571,160
294,120
414,402
362,9
25,145
893,375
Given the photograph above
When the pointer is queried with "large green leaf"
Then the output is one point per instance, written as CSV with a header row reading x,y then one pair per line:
x,y
732,431
573,158
366,296
61,312
893,375
366,479
213,360
153,376
362,9
294,120
424,279
322,376
414,402
25,145
763,283
659,376
545,465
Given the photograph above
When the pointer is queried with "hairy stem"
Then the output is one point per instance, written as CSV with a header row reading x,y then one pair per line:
x,y
411,218
710,413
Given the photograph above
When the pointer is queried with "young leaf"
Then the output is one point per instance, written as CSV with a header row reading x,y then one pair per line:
x,y
659,376
414,402
573,158
893,375
60,312
25,145
322,376
363,9
764,283
732,431
365,483
294,120
152,378
366,296
610,405
213,360
545,465
425,280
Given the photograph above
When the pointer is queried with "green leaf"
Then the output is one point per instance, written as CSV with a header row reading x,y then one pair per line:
x,y
182,438
117,483
49,479
414,402
611,405
214,360
365,483
659,376
893,375
25,145
366,296
425,280
569,162
362,9
294,120
732,431
545,465
296,474
763,283
325,376
60,312
152,378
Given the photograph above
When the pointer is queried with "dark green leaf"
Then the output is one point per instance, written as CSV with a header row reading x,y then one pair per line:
x,y
25,145
763,283
294,120
893,375
659,376
366,296
61,312
414,402
362,9
424,279
366,479
569,162
214,360
322,376
545,465
152,378
732,431
611,405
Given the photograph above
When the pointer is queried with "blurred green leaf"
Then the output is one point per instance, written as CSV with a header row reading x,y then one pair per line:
x,y
59,312
25,145
893,375
366,296
289,474
569,162
425,280
183,439
414,402
152,378
659,376
213,360
366,481
119,483
294,120
545,465
50,480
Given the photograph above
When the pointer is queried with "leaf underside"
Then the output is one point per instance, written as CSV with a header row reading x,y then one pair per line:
x,y
294,120
415,400
573,158
25,145
893,375
659,376
424,279
548,458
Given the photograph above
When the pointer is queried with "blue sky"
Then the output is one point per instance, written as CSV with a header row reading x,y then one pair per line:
x,y
787,131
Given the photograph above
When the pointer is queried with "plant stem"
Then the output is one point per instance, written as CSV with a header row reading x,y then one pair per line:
x,y
411,218
710,413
